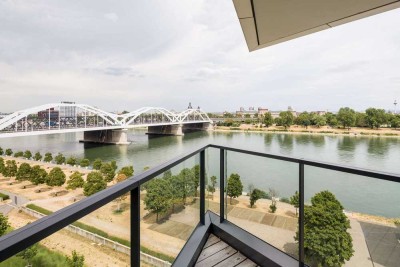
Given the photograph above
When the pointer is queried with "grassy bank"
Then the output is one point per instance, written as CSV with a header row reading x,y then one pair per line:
x,y
102,233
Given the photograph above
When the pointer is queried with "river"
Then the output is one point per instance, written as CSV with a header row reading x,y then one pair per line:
x,y
356,193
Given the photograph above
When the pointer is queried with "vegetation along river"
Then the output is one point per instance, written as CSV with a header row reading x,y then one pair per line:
x,y
360,194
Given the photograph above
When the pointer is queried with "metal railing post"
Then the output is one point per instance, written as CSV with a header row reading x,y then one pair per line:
x,y
222,185
301,214
202,186
135,226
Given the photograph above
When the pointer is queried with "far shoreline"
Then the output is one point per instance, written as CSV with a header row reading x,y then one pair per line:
x,y
323,131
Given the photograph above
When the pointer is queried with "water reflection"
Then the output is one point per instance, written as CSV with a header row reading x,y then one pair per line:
x,y
378,146
285,142
346,143
268,139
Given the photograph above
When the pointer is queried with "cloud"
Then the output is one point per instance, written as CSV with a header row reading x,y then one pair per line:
x,y
130,54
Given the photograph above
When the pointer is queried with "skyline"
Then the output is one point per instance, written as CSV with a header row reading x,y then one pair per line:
x,y
129,55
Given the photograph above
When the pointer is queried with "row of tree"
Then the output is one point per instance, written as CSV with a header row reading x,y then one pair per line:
x,y
95,181
346,118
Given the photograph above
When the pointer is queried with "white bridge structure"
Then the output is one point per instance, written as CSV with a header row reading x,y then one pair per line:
x,y
100,126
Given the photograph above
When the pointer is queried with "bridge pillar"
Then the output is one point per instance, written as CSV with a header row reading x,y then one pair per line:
x,y
203,126
116,137
175,129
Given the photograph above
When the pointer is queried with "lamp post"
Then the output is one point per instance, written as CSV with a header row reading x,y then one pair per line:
x,y
395,104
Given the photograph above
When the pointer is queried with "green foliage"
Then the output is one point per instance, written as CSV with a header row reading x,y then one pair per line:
x,y
10,168
60,159
234,186
286,119
3,224
75,181
114,165
94,183
375,117
331,119
326,240
267,119
211,186
76,260
56,177
72,161
284,200
24,172
38,175
273,207
107,171
97,164
27,154
254,196
127,170
4,197
394,121
1,151
2,166
346,117
304,119
196,178
361,119
9,152
39,209
295,200
85,162
158,196
48,157
29,253
19,154
318,120
37,156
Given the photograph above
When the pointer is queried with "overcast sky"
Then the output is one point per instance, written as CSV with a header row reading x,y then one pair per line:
x,y
123,55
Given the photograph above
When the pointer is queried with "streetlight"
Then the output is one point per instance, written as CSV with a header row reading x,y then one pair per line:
x,y
395,104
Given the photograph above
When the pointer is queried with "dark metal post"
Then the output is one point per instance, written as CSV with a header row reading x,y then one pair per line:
x,y
301,214
135,227
202,186
222,184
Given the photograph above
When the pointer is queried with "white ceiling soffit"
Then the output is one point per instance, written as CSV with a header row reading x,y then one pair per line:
x,y
268,22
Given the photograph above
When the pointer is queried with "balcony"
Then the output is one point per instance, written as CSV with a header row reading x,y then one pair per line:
x,y
211,228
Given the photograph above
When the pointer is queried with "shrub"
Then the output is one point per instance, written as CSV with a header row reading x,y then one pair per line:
x,y
18,154
48,157
84,163
4,196
56,177
38,175
10,168
37,156
75,181
27,154
71,161
97,164
60,159
24,172
94,183
9,152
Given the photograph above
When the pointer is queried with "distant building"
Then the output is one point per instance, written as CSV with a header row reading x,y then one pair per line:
x,y
45,114
242,112
68,112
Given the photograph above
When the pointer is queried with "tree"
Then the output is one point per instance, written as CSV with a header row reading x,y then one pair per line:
x,y
273,194
120,177
2,166
38,175
196,178
75,181
286,118
1,151
234,187
395,121
37,156
254,196
24,172
9,152
84,163
304,119
326,240
60,159
346,117
4,225
56,177
28,254
48,157
331,119
361,119
97,164
211,187
158,196
127,171
268,120
375,117
183,185
107,171
294,200
10,169
72,161
94,183
18,154
27,154
76,260
114,165
318,120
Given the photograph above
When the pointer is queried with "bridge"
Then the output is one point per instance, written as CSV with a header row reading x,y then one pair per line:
x,y
100,126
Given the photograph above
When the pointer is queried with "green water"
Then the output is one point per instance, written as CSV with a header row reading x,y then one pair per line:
x,y
356,193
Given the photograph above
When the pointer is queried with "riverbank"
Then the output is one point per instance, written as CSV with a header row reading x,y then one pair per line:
x,y
324,130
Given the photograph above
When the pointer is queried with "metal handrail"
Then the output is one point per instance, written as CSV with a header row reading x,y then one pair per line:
x,y
28,235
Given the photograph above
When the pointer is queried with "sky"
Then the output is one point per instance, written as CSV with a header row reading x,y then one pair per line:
x,y
123,55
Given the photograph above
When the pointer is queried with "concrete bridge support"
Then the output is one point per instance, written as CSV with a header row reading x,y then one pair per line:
x,y
115,137
193,127
176,129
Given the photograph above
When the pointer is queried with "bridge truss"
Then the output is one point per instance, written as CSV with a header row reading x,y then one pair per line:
x,y
63,117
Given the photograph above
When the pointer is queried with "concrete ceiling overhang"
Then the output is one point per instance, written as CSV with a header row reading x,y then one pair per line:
x,y
268,22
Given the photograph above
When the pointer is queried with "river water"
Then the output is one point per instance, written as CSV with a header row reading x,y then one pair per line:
x,y
356,193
